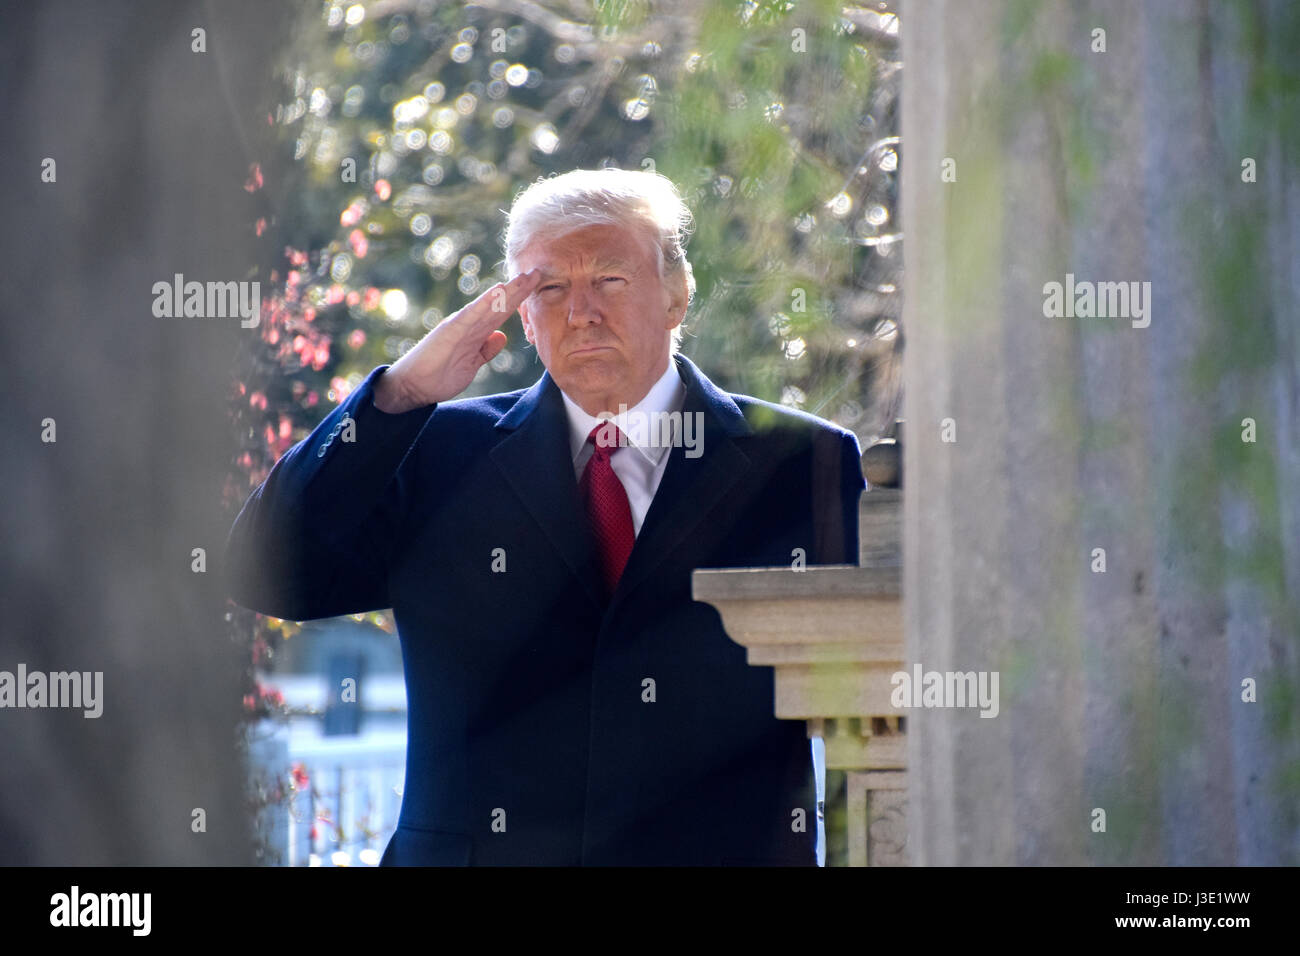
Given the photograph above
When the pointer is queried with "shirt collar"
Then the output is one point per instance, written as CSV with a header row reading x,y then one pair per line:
x,y
666,395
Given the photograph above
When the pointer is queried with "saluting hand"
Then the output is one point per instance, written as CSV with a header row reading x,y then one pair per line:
x,y
445,361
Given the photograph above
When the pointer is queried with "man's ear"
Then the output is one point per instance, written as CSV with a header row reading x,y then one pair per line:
x,y
678,297
527,323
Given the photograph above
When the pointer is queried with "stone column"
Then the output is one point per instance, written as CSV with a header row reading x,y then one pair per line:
x,y
151,143
1104,510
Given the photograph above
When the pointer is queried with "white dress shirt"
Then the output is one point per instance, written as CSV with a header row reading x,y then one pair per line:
x,y
640,467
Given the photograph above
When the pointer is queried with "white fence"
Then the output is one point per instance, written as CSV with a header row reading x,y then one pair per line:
x,y
345,810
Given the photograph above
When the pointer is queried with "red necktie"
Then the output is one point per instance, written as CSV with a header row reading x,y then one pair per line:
x,y
607,505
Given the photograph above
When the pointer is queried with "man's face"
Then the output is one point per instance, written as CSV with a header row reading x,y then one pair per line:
x,y
601,317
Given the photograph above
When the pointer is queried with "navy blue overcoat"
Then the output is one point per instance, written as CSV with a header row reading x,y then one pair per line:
x,y
535,737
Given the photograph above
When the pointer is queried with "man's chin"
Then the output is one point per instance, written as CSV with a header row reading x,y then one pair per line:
x,y
580,380
595,367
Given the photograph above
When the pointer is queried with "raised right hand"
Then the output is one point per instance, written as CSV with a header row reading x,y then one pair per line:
x,y
445,361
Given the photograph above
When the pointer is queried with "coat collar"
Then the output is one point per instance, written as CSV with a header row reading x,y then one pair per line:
x,y
725,412
533,457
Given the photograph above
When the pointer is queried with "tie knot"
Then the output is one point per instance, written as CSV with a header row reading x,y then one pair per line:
x,y
607,438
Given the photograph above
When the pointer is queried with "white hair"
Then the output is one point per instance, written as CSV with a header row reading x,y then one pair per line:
x,y
558,205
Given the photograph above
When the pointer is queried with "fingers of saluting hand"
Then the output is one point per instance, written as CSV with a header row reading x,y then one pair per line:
x,y
493,307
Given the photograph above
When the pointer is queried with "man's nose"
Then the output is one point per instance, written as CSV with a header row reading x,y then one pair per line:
x,y
583,309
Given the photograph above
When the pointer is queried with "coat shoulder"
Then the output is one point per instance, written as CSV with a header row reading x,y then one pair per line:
x,y
769,417
490,407
468,424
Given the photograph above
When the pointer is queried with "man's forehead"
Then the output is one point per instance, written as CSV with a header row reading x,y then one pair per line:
x,y
558,264
558,253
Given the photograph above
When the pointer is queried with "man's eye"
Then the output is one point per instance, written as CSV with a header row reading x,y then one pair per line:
x,y
547,288
612,279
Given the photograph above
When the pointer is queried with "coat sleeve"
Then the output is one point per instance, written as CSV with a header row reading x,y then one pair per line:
x,y
837,485
315,539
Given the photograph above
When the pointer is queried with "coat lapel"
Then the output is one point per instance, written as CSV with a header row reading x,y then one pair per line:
x,y
690,486
537,426
534,457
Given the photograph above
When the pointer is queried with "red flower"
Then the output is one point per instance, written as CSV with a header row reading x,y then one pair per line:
x,y
340,387
352,215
